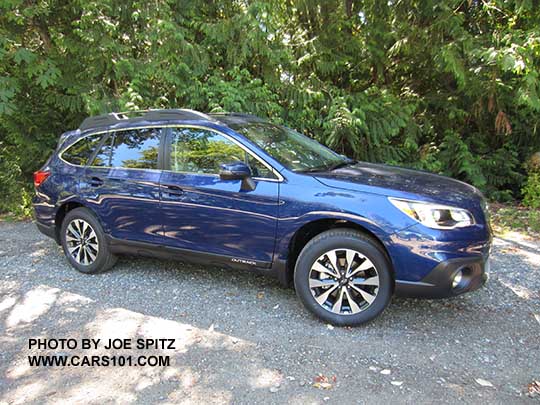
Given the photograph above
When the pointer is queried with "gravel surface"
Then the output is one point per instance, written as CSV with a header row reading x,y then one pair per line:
x,y
242,338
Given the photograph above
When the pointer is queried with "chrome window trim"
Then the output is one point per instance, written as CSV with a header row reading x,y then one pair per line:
x,y
279,179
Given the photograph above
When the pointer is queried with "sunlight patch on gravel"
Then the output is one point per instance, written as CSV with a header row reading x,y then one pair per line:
x,y
36,302
520,291
519,238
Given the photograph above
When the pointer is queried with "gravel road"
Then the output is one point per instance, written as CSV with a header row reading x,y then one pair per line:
x,y
242,338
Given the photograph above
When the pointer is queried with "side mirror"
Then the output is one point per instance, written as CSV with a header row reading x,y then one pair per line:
x,y
234,171
237,171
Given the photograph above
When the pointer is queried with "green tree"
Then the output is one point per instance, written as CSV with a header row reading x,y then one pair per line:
x,y
450,87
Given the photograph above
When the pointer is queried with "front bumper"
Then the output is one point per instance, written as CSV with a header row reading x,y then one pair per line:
x,y
438,283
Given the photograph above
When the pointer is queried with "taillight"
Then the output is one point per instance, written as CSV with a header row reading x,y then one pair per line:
x,y
40,176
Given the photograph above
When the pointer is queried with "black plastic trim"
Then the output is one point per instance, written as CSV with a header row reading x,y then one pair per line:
x,y
438,283
167,142
47,230
104,138
279,269
120,246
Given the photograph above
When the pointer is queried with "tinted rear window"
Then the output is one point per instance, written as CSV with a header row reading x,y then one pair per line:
x,y
135,149
80,152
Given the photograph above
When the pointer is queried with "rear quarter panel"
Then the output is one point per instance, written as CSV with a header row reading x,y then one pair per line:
x,y
61,187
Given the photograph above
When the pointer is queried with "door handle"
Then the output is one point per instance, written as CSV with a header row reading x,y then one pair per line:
x,y
172,190
95,182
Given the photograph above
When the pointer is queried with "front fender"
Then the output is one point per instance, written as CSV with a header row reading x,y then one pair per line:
x,y
289,227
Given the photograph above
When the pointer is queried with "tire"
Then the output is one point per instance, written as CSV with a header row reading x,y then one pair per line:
x,y
365,284
94,256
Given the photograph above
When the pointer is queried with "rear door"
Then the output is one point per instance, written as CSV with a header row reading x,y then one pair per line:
x,y
122,184
204,213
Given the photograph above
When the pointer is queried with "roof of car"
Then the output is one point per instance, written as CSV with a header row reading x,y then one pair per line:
x,y
113,118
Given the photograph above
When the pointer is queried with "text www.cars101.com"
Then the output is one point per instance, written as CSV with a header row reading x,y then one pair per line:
x,y
98,361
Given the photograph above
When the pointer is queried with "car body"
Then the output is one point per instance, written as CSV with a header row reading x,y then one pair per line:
x,y
168,202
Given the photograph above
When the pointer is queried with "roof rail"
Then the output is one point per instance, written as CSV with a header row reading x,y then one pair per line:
x,y
102,120
236,116
175,114
146,115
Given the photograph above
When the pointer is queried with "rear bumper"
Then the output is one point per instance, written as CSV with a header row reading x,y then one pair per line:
x,y
438,283
47,230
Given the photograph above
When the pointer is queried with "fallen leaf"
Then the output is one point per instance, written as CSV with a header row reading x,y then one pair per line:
x,y
260,295
322,385
533,389
537,317
323,382
483,383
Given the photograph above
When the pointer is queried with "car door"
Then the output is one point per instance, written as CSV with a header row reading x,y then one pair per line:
x,y
204,213
121,184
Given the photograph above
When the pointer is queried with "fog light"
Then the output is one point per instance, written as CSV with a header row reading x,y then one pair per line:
x,y
457,279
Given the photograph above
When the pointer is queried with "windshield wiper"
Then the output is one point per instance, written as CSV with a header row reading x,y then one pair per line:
x,y
312,169
341,164
333,166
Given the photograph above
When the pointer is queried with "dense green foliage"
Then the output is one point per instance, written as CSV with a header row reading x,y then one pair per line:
x,y
531,189
452,87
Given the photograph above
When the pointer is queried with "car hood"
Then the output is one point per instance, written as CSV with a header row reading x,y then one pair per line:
x,y
402,183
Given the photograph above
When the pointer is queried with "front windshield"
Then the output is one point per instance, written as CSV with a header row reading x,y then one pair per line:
x,y
293,150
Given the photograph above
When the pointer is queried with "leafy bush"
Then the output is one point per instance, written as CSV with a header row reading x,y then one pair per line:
x,y
515,218
531,191
14,193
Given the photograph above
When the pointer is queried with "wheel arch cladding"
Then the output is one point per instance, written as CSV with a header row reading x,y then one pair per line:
x,y
313,228
61,213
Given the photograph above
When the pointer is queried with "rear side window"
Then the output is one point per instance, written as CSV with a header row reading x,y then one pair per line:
x,y
80,152
134,149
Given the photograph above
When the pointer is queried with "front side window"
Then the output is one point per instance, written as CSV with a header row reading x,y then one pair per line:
x,y
134,149
294,150
82,150
195,150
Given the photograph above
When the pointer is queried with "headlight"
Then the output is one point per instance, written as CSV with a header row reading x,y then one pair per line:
x,y
433,215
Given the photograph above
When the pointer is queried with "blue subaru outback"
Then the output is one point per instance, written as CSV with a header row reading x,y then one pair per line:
x,y
236,190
